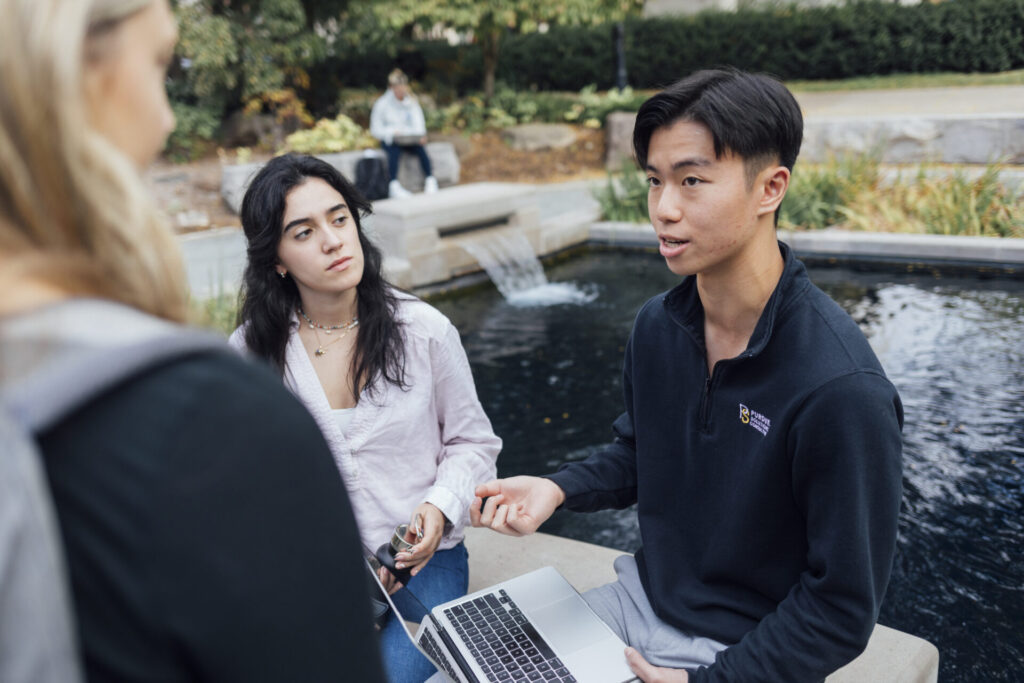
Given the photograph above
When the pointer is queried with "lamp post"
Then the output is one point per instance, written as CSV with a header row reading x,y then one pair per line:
x,y
619,33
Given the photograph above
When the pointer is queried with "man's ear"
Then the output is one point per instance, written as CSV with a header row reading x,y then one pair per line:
x,y
773,181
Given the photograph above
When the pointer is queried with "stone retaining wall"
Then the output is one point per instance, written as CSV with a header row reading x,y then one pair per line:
x,y
898,139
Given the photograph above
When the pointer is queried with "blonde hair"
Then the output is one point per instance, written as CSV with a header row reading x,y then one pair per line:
x,y
397,77
74,213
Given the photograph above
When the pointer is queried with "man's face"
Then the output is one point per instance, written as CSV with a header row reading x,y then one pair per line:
x,y
702,208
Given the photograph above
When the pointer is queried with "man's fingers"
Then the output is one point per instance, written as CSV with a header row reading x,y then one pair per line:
x,y
489,509
488,488
474,511
639,665
648,673
500,521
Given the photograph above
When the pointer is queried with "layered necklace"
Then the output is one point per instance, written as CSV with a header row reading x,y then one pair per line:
x,y
321,348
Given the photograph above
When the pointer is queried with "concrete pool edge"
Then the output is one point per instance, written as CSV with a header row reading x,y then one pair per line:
x,y
935,254
1004,254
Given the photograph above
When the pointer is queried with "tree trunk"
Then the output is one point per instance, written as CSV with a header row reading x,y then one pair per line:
x,y
489,45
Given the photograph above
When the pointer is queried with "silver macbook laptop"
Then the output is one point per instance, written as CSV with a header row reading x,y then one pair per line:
x,y
535,627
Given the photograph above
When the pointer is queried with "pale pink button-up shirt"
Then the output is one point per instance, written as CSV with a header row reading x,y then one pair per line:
x,y
431,442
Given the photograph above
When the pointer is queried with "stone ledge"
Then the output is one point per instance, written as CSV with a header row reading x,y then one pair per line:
x,y
236,178
428,231
890,656
853,245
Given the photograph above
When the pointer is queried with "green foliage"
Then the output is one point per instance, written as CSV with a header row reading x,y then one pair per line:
x,y
339,134
357,104
489,21
817,195
624,197
508,107
951,204
470,114
232,54
194,133
853,193
594,105
217,313
859,38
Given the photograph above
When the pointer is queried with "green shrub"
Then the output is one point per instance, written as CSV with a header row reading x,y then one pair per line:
x,y
624,197
953,204
508,107
854,194
217,313
194,133
818,194
862,37
339,134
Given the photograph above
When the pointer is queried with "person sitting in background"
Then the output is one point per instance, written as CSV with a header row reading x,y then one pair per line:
x,y
397,121
206,535
382,372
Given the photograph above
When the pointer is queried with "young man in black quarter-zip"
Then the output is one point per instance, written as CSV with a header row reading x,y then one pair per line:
x,y
761,439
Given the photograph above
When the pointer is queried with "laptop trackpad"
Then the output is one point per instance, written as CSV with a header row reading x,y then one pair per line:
x,y
569,625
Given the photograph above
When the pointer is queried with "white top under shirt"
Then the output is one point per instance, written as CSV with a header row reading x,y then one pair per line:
x,y
429,443
343,418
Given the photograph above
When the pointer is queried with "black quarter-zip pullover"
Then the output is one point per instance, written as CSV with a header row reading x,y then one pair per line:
x,y
767,492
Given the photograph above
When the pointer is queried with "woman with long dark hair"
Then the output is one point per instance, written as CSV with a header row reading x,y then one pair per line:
x,y
383,373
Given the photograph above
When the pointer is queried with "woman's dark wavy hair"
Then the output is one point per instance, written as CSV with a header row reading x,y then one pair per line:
x,y
267,301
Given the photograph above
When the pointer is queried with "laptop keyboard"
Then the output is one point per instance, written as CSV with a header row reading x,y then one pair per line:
x,y
504,643
430,645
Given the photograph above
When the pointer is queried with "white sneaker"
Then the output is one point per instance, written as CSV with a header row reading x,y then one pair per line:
x,y
430,185
396,191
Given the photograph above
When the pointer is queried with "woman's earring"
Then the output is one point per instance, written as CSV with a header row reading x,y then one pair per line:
x,y
282,273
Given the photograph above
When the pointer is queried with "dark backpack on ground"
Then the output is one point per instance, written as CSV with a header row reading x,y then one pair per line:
x,y
372,177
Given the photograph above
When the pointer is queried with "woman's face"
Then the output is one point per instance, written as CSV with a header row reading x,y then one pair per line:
x,y
125,79
319,245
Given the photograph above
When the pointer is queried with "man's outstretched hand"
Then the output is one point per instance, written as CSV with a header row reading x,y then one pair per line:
x,y
648,673
515,506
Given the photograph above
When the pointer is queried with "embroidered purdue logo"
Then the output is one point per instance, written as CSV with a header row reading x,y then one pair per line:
x,y
755,420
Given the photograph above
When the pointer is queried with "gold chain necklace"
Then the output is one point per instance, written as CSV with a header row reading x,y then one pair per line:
x,y
321,348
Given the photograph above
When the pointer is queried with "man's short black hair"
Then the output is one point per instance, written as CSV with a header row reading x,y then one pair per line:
x,y
751,115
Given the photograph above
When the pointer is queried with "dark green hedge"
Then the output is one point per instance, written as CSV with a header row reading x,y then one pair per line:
x,y
857,39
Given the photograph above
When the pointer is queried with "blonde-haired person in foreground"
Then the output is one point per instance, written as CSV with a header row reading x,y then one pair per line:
x,y
206,534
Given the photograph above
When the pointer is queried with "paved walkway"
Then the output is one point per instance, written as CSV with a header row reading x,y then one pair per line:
x,y
986,99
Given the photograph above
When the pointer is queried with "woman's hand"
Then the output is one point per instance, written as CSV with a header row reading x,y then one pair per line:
x,y
430,520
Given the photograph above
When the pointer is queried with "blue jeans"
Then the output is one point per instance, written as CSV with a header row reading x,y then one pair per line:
x,y
394,152
445,578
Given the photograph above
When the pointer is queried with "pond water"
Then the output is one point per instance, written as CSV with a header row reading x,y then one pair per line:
x,y
549,378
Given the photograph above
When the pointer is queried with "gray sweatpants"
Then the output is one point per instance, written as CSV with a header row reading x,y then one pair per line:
x,y
623,605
